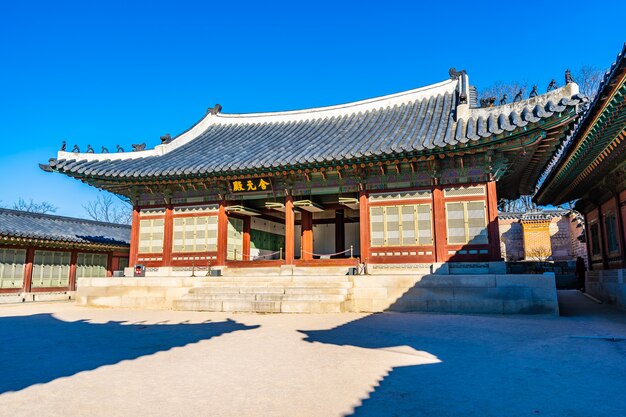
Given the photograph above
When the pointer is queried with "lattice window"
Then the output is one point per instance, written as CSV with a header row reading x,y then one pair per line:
x,y
467,223
12,268
401,225
235,239
151,235
594,231
51,269
611,232
464,191
195,234
91,265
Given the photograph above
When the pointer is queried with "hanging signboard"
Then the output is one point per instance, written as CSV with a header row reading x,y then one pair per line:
x,y
251,185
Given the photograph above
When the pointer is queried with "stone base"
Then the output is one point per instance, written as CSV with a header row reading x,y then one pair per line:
x,y
25,297
608,285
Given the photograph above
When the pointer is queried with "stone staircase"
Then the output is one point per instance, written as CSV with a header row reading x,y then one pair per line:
x,y
272,290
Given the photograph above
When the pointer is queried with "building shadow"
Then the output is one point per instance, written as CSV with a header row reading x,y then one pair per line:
x,y
40,348
487,366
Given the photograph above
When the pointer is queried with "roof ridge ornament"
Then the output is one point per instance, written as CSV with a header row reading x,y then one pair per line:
x,y
533,92
138,147
119,149
552,86
166,138
503,99
89,149
63,146
214,110
568,77
104,150
76,149
454,74
518,96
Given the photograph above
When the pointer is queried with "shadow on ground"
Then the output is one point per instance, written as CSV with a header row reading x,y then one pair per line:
x,y
40,348
490,366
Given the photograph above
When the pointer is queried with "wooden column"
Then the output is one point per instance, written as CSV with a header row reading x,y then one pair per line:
x,y
289,231
28,269
222,234
168,234
73,262
306,236
588,243
134,238
340,233
439,221
493,229
246,239
364,226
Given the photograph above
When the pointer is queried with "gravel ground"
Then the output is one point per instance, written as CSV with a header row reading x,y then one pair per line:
x,y
62,360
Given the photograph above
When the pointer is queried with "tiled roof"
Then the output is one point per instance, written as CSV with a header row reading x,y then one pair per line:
x,y
25,225
428,120
581,161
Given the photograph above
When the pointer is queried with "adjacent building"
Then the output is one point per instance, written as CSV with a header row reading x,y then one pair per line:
x,y
42,255
590,169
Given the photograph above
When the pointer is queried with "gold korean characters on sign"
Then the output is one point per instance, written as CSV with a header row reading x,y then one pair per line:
x,y
250,185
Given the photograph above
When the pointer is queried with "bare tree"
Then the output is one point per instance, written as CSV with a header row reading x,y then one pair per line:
x,y
522,204
500,88
33,207
106,208
588,79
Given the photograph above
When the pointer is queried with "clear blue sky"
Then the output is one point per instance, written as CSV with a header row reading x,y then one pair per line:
x,y
108,72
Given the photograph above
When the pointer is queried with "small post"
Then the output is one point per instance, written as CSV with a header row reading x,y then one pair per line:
x,y
351,250
235,254
193,266
208,269
281,254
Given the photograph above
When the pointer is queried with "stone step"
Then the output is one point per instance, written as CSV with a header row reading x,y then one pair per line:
x,y
267,297
262,284
259,306
276,279
268,290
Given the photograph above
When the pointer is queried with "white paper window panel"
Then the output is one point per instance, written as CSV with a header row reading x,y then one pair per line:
x,y
12,264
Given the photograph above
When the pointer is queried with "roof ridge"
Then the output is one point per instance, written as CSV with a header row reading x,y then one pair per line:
x,y
59,217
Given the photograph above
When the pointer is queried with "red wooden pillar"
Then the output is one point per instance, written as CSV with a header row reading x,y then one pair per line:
x,y
168,233
134,238
73,262
306,237
289,231
113,264
246,239
28,269
340,233
493,229
588,242
222,234
439,214
364,226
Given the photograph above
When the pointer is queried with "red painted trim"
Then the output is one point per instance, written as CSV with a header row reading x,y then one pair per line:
x,y
246,237
439,221
51,289
72,277
254,264
364,227
326,262
134,237
493,230
28,269
222,234
11,290
289,231
168,235
306,239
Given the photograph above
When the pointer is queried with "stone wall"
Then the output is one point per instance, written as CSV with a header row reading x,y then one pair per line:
x,y
608,285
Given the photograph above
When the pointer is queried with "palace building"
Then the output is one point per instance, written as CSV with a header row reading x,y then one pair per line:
x,y
42,255
590,169
409,177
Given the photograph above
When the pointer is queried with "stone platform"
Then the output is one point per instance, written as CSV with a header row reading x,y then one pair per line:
x,y
330,290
